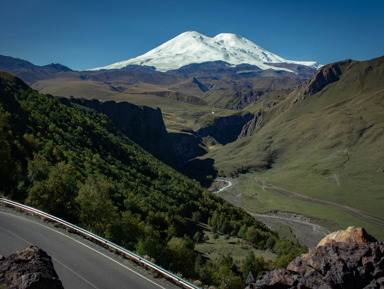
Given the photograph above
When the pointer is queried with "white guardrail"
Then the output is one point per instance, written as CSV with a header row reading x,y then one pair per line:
x,y
129,254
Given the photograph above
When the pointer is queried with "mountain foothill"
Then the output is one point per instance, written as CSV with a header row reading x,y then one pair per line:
x,y
126,150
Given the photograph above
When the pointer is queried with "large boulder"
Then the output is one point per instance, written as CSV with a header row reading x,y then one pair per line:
x,y
350,235
30,268
345,259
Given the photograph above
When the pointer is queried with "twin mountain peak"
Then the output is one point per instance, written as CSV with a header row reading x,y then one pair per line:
x,y
192,47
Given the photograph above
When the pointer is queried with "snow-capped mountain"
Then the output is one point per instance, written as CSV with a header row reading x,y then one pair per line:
x,y
193,47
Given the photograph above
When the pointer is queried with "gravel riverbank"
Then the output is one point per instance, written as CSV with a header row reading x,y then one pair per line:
x,y
302,227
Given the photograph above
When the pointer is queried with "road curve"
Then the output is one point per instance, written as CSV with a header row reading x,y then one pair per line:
x,y
227,185
78,262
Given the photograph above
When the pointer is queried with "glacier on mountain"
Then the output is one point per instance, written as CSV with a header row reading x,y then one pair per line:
x,y
193,47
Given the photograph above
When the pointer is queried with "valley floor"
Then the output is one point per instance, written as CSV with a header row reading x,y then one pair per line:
x,y
293,215
289,225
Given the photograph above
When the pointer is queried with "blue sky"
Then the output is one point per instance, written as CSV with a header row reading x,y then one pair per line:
x,y
84,34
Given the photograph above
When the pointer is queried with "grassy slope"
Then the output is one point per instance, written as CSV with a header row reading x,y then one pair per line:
x,y
329,145
177,115
75,87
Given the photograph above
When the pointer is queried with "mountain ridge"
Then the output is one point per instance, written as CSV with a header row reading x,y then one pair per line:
x,y
193,47
210,83
30,72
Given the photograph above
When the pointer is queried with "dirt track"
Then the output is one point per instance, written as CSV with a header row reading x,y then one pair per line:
x,y
304,229
355,212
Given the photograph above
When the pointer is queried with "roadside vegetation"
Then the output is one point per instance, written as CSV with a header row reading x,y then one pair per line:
x,y
72,162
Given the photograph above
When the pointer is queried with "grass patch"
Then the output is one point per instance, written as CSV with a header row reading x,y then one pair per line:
x,y
221,245
284,231
251,195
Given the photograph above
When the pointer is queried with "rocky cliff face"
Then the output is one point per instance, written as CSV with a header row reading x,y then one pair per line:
x,y
324,76
143,125
225,129
253,125
185,147
30,268
345,259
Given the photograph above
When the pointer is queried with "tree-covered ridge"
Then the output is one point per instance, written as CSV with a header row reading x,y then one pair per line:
x,y
72,162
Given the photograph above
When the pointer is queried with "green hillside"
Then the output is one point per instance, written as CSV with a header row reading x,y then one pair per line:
x,y
72,162
326,141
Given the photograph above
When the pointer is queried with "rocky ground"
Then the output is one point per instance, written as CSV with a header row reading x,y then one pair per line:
x,y
303,228
350,259
30,268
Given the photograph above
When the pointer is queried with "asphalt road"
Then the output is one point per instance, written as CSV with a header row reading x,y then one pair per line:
x,y
78,262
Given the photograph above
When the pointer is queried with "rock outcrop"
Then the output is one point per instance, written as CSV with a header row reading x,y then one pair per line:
x,y
324,76
253,126
344,259
185,147
143,125
225,129
350,235
30,268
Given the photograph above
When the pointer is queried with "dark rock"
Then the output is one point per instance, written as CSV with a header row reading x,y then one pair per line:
x,y
324,76
253,126
143,125
344,259
29,268
185,147
380,281
280,278
201,86
225,129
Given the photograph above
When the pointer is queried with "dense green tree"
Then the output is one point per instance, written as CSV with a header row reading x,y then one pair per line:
x,y
56,193
126,230
198,237
287,251
254,264
153,246
7,165
227,274
270,243
181,256
196,216
95,205
253,235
